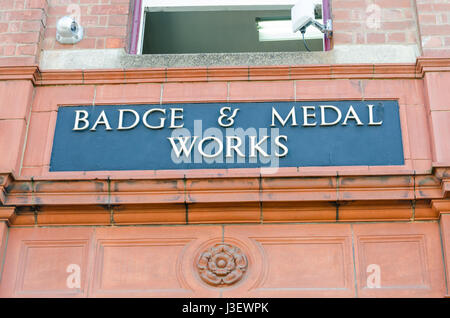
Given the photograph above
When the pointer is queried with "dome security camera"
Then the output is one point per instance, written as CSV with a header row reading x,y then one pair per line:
x,y
68,31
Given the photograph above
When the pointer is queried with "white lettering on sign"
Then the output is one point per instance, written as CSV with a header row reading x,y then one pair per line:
x,y
351,114
176,119
161,119
322,115
214,146
371,122
136,119
102,120
307,115
283,122
154,121
79,117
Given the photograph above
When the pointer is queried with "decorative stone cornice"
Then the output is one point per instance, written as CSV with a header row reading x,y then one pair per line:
x,y
442,172
234,73
19,73
441,206
179,198
7,214
6,178
432,64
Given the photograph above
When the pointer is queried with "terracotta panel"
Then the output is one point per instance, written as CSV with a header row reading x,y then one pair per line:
x,y
38,131
228,73
442,171
151,261
441,130
47,98
299,189
427,187
419,137
406,169
126,267
311,71
14,105
424,211
329,90
49,142
224,213
269,73
38,260
31,171
64,77
188,74
24,218
422,165
147,191
222,173
391,70
355,71
73,215
88,186
3,244
148,75
384,89
334,171
11,143
7,214
75,192
375,211
298,212
279,172
100,76
445,230
194,92
412,92
261,91
415,92
364,188
407,256
294,260
128,94
405,127
150,214
324,272
222,190
436,84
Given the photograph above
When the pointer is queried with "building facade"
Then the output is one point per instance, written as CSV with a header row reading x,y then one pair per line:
x,y
366,229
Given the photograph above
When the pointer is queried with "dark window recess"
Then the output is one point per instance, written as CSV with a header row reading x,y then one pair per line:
x,y
216,32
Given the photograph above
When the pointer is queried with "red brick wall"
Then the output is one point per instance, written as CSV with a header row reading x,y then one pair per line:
x,y
374,22
22,24
105,23
434,20
27,26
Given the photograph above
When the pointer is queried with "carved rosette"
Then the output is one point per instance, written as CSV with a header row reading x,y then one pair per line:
x,y
222,265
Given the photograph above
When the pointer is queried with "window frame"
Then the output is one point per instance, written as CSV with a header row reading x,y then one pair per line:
x,y
142,6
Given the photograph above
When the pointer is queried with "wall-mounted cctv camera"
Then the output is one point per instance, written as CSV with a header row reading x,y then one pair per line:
x,y
303,15
68,31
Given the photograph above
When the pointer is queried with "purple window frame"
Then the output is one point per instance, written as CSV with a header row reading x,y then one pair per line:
x,y
326,14
136,23
135,26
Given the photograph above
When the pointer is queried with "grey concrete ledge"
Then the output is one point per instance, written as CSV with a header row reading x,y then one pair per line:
x,y
118,58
